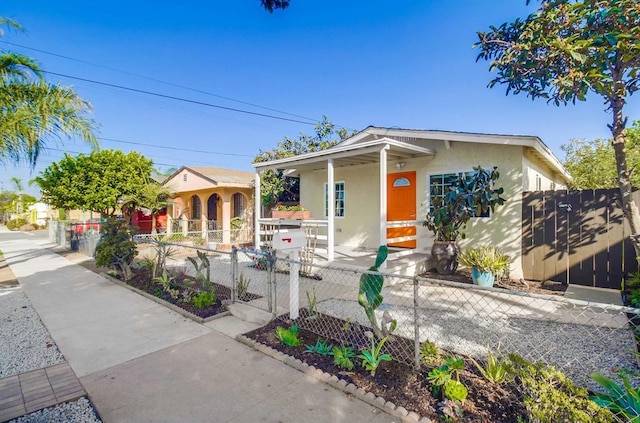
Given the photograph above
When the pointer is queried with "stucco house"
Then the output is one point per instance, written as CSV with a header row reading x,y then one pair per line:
x,y
212,203
374,188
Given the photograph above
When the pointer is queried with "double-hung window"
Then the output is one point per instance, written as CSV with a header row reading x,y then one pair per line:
x,y
339,200
439,185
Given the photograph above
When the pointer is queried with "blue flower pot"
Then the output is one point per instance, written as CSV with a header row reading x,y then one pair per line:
x,y
481,277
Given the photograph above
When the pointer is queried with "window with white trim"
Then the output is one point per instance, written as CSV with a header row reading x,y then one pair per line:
x,y
439,185
339,201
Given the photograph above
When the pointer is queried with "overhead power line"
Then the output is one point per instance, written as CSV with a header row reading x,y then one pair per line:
x,y
157,80
185,100
175,148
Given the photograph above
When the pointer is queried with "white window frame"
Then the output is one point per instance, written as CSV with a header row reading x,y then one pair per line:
x,y
458,172
344,201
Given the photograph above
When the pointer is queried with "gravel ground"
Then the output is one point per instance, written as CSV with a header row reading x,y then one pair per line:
x,y
79,411
576,349
25,344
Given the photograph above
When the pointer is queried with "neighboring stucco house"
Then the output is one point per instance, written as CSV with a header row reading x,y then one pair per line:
x,y
215,202
374,188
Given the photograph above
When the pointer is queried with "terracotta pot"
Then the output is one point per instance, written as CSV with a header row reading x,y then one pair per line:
x,y
445,256
291,214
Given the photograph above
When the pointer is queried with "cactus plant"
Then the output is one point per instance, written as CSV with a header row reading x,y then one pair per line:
x,y
370,297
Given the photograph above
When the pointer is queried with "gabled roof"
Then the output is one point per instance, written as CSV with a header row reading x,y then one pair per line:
x,y
409,139
219,176
362,152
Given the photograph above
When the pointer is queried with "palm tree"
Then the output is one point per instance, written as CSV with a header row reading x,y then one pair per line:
x,y
271,5
17,183
33,111
152,197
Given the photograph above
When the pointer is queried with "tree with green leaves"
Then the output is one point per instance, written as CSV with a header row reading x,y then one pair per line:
x,y
97,182
275,186
271,5
563,51
33,111
592,163
151,197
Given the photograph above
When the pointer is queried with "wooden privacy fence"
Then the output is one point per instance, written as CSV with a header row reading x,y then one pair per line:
x,y
577,237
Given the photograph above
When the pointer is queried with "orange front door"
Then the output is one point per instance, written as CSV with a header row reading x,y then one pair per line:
x,y
401,205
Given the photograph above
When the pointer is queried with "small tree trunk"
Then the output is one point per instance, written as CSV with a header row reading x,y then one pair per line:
x,y
153,224
629,207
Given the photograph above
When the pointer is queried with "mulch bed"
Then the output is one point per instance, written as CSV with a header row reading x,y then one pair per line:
x,y
534,287
395,381
141,281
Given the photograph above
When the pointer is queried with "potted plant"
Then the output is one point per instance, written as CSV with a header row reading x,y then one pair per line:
x,y
295,212
467,196
486,263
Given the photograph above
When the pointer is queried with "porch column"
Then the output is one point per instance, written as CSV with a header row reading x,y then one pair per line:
x,y
185,225
257,204
331,211
204,227
383,198
226,218
169,223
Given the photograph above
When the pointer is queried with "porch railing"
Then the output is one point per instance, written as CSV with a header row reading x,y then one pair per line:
x,y
318,228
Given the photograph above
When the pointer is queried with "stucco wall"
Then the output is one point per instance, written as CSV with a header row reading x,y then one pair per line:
x,y
533,169
360,226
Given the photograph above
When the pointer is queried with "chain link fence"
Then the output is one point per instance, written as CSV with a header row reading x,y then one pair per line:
x,y
82,237
576,337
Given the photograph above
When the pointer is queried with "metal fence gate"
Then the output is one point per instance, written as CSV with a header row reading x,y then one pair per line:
x,y
577,237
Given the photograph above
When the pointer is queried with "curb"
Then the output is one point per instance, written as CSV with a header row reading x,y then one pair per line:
x,y
342,385
167,304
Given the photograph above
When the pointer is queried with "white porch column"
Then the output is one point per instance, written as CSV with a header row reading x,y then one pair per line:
x,y
331,211
169,223
204,226
185,225
226,218
257,204
383,197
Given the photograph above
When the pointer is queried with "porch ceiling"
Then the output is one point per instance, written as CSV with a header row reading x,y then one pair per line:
x,y
350,155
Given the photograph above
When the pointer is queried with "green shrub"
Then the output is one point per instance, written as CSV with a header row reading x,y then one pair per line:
x,y
550,396
496,370
14,224
289,336
204,299
430,354
342,356
116,248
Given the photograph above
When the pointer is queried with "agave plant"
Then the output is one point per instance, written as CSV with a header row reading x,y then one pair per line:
x,y
622,400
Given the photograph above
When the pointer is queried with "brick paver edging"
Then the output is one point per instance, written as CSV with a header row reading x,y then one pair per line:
x,y
31,391
348,388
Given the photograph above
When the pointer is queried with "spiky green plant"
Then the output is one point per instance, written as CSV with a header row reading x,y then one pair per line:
x,y
289,336
372,358
623,401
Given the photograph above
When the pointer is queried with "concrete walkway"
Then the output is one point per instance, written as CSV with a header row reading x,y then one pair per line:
x,y
140,362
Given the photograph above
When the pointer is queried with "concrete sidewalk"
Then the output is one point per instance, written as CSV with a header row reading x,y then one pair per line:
x,y
140,362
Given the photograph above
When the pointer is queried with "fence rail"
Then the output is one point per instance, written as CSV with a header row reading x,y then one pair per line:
x,y
576,337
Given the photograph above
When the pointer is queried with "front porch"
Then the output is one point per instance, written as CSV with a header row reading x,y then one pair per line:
x,y
401,261
371,197
212,207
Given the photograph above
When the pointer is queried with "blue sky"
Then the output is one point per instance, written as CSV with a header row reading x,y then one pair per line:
x,y
406,64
